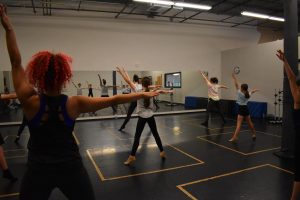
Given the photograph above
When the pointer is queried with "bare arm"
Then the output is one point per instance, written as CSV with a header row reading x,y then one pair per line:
x,y
126,78
74,84
8,96
236,83
100,80
24,89
253,91
82,104
223,87
291,76
205,78
164,91
155,87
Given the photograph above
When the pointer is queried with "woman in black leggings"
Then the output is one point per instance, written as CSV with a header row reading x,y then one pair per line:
x,y
145,111
133,104
213,98
294,83
53,155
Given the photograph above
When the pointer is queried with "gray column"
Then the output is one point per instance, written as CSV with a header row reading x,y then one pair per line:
x,y
114,82
291,53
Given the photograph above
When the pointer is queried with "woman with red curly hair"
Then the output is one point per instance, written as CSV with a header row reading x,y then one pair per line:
x,y
53,155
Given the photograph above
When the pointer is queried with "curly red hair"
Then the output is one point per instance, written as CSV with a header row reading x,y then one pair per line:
x,y
48,71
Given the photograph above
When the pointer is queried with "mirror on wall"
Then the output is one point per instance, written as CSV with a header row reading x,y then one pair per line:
x,y
183,83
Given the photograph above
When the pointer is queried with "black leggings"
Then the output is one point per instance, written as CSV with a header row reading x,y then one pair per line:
x,y
211,105
73,181
90,94
131,108
139,129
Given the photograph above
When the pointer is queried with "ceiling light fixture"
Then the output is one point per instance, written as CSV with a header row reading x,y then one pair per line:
x,y
191,5
262,16
159,2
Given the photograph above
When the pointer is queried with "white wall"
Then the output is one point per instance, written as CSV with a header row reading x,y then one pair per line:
x,y
260,68
101,44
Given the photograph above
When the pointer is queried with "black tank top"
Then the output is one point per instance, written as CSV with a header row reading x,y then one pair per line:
x,y
51,140
297,120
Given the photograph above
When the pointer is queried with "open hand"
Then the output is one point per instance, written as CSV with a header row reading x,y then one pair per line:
x,y
4,18
280,55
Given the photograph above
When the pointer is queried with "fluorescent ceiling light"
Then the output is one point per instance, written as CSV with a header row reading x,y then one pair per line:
x,y
277,19
160,2
190,5
177,8
176,74
252,14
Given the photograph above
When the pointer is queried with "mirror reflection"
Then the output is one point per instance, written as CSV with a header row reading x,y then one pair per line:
x,y
109,83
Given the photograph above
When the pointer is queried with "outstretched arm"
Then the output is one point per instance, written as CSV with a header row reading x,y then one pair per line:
x,y
24,89
164,91
82,104
223,86
205,78
290,74
74,84
253,91
236,83
154,87
126,78
8,96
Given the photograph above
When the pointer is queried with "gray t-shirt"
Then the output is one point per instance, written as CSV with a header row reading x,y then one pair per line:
x,y
141,110
241,99
104,90
79,91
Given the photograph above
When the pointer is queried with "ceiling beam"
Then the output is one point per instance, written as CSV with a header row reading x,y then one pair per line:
x,y
235,6
128,13
119,13
175,16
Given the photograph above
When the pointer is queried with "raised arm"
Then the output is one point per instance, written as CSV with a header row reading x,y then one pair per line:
x,y
82,104
290,74
8,96
205,77
100,80
126,78
236,83
23,88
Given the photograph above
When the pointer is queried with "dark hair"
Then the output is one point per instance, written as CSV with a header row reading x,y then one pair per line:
x,y
244,88
104,81
135,78
214,80
145,83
